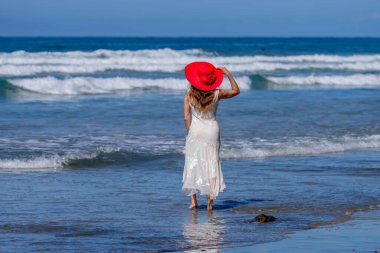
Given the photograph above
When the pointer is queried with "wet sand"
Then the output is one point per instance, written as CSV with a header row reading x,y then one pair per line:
x,y
361,234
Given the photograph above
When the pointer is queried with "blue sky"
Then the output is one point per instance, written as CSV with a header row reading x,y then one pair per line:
x,y
338,18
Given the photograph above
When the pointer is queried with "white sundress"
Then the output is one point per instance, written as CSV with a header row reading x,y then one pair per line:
x,y
202,171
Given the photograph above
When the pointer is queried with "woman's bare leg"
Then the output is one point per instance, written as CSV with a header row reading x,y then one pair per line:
x,y
193,201
209,202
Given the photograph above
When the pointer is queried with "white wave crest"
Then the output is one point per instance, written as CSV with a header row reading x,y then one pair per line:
x,y
241,149
36,57
357,80
32,164
91,85
48,163
23,63
260,148
160,60
321,58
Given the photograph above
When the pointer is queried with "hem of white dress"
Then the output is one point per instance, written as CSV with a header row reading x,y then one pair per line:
x,y
191,191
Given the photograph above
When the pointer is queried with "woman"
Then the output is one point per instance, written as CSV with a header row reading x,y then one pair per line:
x,y
202,172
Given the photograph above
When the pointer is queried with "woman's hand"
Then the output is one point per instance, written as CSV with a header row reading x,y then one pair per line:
x,y
234,86
224,70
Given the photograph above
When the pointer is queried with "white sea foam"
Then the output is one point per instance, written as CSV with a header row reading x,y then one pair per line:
x,y
32,164
164,60
259,148
91,85
320,58
48,163
22,63
357,80
242,149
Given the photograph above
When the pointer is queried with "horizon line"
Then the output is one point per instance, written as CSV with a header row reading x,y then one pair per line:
x,y
192,37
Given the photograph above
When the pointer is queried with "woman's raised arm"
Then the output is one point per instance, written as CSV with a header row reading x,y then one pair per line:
x,y
234,86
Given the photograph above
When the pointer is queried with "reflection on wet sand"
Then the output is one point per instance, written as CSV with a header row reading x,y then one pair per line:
x,y
203,232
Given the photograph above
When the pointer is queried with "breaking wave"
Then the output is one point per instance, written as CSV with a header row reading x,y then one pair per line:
x,y
56,162
92,85
21,63
234,149
356,80
106,85
260,148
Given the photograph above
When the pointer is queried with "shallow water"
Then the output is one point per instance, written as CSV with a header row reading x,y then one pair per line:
x,y
140,206
361,234
91,143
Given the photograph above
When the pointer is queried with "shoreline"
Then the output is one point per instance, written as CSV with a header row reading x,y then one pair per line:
x,y
359,234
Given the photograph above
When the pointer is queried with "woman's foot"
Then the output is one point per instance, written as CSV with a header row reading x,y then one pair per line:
x,y
209,202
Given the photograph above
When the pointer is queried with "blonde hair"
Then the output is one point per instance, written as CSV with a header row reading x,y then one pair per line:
x,y
201,100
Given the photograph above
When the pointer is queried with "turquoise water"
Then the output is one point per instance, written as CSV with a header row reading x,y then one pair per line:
x,y
92,138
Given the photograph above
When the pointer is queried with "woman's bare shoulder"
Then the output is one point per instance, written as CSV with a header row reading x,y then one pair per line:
x,y
187,94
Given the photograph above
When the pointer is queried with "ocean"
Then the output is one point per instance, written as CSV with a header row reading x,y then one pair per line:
x,y
92,140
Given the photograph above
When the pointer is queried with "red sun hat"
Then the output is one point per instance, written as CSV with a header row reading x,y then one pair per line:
x,y
203,75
